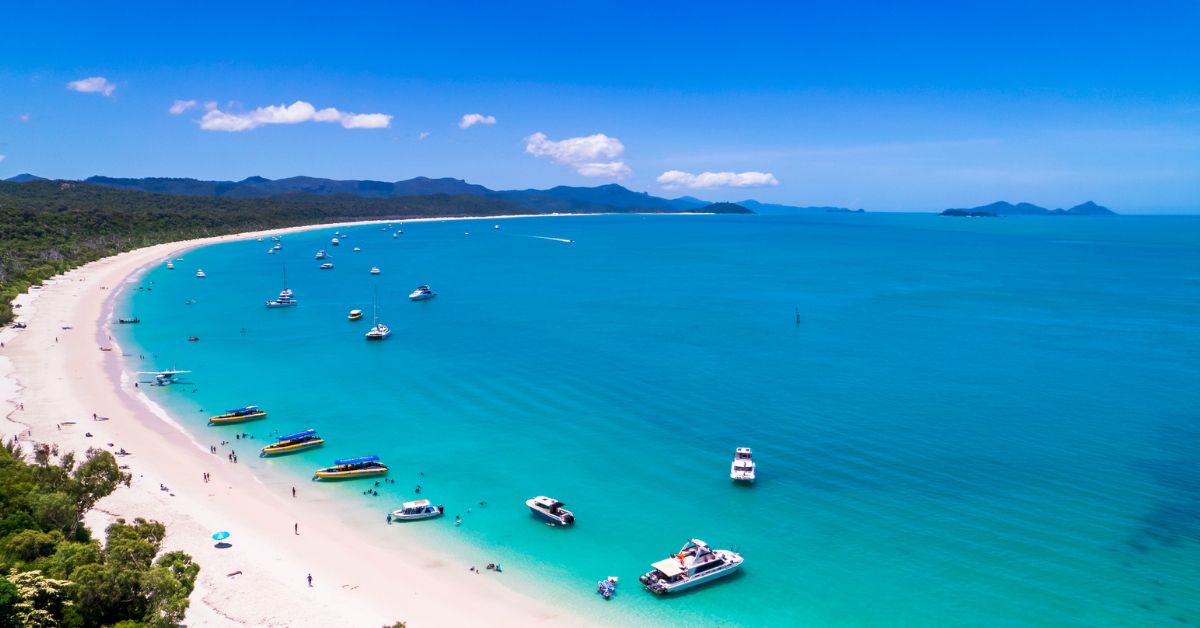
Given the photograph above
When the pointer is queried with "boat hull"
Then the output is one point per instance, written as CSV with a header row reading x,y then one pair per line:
x,y
274,304
692,582
429,515
224,419
422,297
561,520
279,450
331,474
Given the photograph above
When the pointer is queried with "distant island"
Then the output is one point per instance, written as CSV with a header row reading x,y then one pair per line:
x,y
1002,208
724,208
843,210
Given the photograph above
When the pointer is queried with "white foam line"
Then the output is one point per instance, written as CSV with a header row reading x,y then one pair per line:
x,y
545,238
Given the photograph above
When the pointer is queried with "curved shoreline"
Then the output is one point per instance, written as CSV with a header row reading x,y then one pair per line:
x,y
60,375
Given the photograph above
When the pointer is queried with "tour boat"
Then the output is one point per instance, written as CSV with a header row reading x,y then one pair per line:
x,y
379,331
743,466
199,273
355,315
420,509
299,441
126,321
350,468
170,265
374,270
334,242
326,265
550,510
421,294
695,564
238,415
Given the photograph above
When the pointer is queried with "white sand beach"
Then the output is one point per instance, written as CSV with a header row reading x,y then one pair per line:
x,y
61,375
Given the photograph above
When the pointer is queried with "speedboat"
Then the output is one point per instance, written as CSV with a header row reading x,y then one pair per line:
x,y
299,441
270,251
695,564
199,273
379,331
374,270
357,249
421,294
321,254
238,415
326,265
350,468
170,265
743,466
278,247
497,226
334,242
355,315
550,510
420,509
260,239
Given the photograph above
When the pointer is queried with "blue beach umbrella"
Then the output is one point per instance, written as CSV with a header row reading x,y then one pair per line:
x,y
221,536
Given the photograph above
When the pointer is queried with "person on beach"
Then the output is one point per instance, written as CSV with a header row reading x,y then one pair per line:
x,y
310,580
293,491
296,529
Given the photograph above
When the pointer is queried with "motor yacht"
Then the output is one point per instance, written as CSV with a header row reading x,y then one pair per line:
x,y
170,265
278,247
695,564
421,294
291,443
334,242
420,509
355,315
550,510
238,415
743,466
379,331
351,468
321,254
357,249
374,270
270,251
327,266
200,273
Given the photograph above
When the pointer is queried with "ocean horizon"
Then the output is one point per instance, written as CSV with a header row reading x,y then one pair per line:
x,y
957,421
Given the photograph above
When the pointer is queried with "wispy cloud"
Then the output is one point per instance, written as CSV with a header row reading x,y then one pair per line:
x,y
586,155
181,106
475,118
1,157
675,179
25,117
299,111
422,136
96,84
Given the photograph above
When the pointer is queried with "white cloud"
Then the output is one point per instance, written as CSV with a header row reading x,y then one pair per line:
x,y
210,105
586,155
299,111
1,157
422,136
475,118
25,117
181,106
674,179
94,84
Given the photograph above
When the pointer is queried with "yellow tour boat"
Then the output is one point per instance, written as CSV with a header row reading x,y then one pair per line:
x,y
293,442
349,468
238,415
355,314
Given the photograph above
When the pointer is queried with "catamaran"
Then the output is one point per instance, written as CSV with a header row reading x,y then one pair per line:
x,y
379,331
352,468
550,510
420,509
299,441
743,466
285,296
695,564
422,293
238,415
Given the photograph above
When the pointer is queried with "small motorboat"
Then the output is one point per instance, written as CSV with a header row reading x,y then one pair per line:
x,y
106,348
238,415
394,235
355,315
170,265
299,441
743,466
278,247
357,249
260,239
420,509
179,259
334,242
550,510
351,468
327,266
374,270
497,226
200,273
422,293
270,251
274,238
193,338
127,321
607,587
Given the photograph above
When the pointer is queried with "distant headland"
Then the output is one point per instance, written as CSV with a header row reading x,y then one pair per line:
x,y
1001,208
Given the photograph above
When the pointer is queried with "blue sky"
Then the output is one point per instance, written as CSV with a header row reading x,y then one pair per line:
x,y
883,106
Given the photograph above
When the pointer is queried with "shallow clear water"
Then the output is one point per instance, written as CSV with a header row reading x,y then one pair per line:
x,y
976,422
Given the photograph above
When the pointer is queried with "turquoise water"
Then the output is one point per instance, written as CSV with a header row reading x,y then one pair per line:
x,y
976,422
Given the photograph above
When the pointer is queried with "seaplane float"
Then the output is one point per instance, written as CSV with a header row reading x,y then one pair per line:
x,y
164,378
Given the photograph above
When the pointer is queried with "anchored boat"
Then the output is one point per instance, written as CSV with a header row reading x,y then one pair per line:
x,y
695,564
550,510
238,415
422,293
291,443
420,509
355,315
743,466
350,468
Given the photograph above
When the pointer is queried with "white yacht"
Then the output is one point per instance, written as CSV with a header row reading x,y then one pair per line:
x,y
199,273
743,466
379,331
357,249
274,238
270,251
170,265
327,266
420,509
322,254
285,296
695,564
551,510
334,242
394,235
497,226
374,270
278,247
260,239
422,293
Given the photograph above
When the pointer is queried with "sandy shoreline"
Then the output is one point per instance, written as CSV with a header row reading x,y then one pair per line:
x,y
60,375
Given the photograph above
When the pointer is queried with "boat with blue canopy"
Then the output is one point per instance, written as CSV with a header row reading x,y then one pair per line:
x,y
349,468
238,415
291,443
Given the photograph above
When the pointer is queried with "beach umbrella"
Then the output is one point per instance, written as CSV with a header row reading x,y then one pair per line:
x,y
221,536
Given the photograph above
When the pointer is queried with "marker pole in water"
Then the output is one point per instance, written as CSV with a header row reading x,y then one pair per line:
x,y
797,316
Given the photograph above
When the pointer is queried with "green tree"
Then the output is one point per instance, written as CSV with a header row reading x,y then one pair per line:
x,y
42,599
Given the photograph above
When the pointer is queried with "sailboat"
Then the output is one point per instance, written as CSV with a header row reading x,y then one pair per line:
x,y
285,297
379,331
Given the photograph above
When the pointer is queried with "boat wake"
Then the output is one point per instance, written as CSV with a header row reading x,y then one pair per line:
x,y
544,238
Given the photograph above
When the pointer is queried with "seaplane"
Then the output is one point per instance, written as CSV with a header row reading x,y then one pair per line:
x,y
164,378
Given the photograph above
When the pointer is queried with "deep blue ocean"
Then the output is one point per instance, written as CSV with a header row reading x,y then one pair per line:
x,y
975,422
